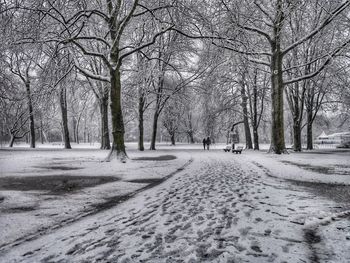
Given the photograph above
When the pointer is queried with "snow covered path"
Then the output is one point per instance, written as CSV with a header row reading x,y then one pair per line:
x,y
222,208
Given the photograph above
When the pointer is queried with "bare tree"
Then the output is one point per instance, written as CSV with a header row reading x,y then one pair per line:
x,y
257,91
23,64
172,117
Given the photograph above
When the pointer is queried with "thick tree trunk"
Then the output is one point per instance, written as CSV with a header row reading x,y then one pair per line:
x,y
141,128
118,147
31,116
105,142
172,138
256,138
296,136
154,129
65,130
277,127
309,136
248,136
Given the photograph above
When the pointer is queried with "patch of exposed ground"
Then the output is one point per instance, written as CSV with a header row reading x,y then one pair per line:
x,y
156,158
55,184
19,209
334,169
58,167
337,193
146,181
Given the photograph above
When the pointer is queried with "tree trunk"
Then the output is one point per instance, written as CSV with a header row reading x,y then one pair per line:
x,y
277,127
295,96
255,116
31,116
296,111
256,138
12,140
296,136
65,130
85,128
154,130
105,142
77,132
172,138
190,128
118,147
74,125
41,131
309,136
248,136
141,128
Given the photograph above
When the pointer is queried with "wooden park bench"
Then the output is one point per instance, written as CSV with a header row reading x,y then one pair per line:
x,y
237,150
227,148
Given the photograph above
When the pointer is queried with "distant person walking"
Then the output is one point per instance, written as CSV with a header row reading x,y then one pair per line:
x,y
204,143
208,141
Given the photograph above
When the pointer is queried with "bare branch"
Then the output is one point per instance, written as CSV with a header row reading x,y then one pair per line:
x,y
325,63
318,29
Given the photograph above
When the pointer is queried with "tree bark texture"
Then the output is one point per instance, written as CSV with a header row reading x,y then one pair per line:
x,y
65,130
154,130
118,146
12,140
157,111
296,105
277,128
309,136
31,116
105,142
255,117
172,138
248,136
141,128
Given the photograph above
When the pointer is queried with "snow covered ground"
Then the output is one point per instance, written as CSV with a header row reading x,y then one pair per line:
x,y
212,207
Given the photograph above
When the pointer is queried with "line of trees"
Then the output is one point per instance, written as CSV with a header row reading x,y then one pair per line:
x,y
195,68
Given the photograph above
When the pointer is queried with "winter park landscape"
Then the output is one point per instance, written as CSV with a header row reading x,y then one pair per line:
x,y
175,131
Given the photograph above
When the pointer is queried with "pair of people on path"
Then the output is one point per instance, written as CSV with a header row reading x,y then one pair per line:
x,y
206,143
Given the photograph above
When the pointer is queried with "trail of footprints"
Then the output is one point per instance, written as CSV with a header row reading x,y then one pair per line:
x,y
221,213
214,215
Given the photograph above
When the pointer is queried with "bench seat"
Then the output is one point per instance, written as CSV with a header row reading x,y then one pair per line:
x,y
238,150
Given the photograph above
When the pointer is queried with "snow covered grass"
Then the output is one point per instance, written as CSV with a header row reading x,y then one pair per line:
x,y
45,209
331,167
222,207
